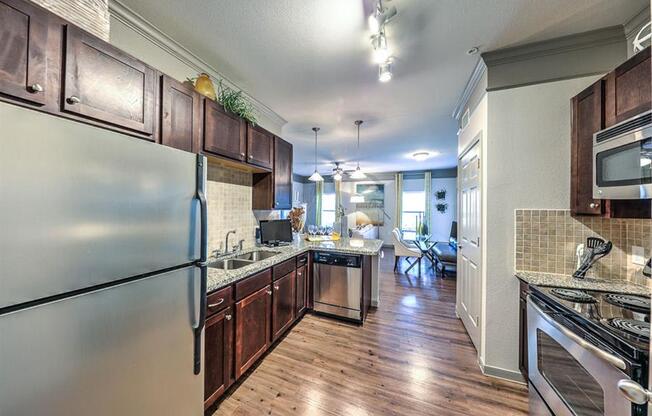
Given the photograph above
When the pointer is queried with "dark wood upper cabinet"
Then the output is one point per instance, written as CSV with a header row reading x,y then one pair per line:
x,y
274,190
103,83
628,89
301,291
283,304
23,41
218,350
224,133
180,115
586,119
252,328
260,147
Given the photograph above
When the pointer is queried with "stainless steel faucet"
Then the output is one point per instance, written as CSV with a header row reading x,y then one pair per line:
x,y
226,241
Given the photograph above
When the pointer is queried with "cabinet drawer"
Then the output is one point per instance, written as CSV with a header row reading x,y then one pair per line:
x,y
251,284
219,300
284,268
302,260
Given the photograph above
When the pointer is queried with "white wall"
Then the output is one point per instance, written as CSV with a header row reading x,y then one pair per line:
x,y
440,224
526,165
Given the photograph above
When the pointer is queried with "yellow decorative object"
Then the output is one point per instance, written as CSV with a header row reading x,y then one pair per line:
x,y
204,86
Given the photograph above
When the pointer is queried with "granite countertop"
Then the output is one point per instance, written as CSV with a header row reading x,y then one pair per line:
x,y
218,278
561,280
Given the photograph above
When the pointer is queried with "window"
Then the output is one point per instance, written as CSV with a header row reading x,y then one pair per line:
x,y
327,209
414,207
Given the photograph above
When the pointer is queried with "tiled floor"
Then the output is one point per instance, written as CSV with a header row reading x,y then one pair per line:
x,y
411,357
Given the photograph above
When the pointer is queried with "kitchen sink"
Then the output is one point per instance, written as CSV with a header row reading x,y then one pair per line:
x,y
257,255
230,264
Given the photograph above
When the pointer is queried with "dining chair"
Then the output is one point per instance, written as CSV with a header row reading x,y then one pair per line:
x,y
403,249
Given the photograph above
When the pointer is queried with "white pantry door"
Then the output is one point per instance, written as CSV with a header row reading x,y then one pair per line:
x,y
468,255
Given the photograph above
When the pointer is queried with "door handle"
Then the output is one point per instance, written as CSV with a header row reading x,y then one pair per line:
x,y
634,392
604,355
201,263
218,303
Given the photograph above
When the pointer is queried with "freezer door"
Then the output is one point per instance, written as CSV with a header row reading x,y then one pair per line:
x,y
81,206
124,350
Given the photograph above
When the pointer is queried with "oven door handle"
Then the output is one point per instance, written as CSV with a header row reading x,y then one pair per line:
x,y
610,358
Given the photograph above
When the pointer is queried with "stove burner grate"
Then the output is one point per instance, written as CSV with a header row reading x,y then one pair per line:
x,y
631,326
635,303
572,295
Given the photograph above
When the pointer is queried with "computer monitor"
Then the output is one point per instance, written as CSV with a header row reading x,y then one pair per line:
x,y
275,231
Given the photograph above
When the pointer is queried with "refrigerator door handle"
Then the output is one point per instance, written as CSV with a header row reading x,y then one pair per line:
x,y
201,263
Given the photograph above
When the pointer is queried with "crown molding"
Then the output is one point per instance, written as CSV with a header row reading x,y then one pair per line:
x,y
146,29
633,25
471,84
564,44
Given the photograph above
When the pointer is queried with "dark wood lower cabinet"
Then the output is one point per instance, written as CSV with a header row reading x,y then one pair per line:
x,y
283,304
301,290
218,350
253,318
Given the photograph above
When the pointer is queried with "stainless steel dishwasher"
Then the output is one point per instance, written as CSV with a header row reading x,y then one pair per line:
x,y
338,284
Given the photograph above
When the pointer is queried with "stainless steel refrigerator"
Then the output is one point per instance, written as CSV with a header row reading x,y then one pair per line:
x,y
102,284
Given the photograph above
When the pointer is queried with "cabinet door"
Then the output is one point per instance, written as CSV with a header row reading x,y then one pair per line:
x,y
180,114
586,120
260,145
105,84
224,133
282,174
284,304
23,43
301,290
252,328
628,89
218,350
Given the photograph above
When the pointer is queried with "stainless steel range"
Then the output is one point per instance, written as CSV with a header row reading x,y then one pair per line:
x,y
581,345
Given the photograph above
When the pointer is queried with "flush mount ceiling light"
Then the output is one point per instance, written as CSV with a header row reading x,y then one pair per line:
x,y
385,72
358,173
421,156
315,177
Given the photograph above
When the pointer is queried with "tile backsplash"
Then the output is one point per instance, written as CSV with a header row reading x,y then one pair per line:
x,y
546,241
228,196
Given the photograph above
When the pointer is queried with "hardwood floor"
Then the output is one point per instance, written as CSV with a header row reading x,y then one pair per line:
x,y
411,357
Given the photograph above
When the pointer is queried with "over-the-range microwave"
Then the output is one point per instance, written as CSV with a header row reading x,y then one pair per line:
x,y
622,160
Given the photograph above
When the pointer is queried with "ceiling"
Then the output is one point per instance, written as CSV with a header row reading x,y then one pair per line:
x,y
310,62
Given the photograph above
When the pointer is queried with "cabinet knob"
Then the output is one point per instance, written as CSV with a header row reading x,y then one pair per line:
x,y
228,317
269,292
250,157
276,287
73,100
242,155
34,88
594,205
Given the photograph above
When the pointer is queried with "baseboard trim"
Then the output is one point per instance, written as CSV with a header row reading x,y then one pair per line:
x,y
501,373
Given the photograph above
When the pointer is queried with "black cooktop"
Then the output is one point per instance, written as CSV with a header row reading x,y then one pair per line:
x,y
622,321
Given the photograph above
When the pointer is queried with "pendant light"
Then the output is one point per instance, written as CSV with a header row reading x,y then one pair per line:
x,y
358,174
315,177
